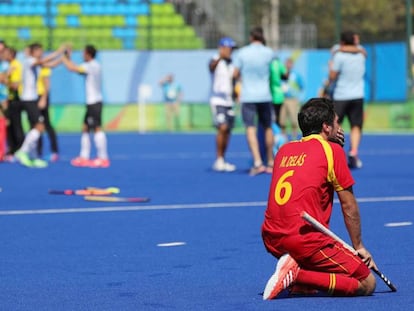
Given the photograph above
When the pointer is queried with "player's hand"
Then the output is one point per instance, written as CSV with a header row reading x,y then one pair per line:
x,y
339,138
42,103
366,257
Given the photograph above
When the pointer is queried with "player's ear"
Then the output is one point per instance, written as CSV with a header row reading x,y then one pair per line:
x,y
326,127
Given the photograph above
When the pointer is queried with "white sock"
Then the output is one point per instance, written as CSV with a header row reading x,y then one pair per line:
x,y
30,141
85,151
100,143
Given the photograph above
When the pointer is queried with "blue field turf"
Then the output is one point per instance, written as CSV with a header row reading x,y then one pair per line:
x,y
64,253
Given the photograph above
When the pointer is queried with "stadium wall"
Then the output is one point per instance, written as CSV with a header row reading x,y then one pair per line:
x,y
125,71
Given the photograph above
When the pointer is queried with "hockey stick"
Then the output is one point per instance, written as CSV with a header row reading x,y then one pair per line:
x,y
87,191
116,199
317,225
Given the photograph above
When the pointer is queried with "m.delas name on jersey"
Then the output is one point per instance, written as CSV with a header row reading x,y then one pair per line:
x,y
293,160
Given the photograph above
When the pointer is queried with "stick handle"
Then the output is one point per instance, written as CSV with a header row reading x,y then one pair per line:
x,y
317,225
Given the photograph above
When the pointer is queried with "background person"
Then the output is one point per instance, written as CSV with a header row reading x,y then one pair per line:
x,y
278,72
15,133
221,101
172,93
347,71
43,91
292,88
252,64
29,103
92,121
4,66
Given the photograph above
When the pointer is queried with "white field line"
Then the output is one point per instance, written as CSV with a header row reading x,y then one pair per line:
x,y
128,208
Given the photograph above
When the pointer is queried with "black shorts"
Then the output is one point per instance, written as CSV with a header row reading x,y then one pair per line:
x,y
223,115
352,109
33,112
262,110
93,116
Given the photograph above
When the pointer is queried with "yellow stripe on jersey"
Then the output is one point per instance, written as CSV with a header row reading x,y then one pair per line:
x,y
44,73
332,283
81,70
331,177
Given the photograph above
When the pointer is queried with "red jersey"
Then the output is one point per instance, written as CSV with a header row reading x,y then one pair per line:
x,y
306,173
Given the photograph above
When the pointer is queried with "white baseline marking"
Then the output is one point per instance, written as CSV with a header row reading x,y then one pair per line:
x,y
170,244
129,208
398,224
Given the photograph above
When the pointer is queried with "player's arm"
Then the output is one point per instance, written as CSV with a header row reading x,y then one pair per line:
x,y
353,49
352,219
52,56
53,63
71,66
333,75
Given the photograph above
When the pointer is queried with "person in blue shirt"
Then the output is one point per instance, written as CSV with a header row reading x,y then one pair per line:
x,y
252,66
172,96
348,70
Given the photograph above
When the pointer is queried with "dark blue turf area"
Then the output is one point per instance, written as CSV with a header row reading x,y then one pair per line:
x,y
64,253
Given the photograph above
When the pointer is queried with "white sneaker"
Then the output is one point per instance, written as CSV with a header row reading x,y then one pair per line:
x,y
221,166
285,275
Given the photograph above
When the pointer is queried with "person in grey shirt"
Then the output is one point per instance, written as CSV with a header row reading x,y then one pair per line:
x,y
347,71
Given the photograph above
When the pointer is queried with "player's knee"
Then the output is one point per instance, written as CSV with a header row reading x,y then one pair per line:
x,y
367,286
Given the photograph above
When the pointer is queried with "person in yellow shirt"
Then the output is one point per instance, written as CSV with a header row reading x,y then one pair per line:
x,y
15,133
43,90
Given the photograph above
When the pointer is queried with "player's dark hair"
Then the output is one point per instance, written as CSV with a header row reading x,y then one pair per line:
x,y
347,37
34,46
257,34
314,113
90,50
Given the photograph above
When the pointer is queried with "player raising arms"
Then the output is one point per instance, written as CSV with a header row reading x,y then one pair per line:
x,y
92,121
306,174
29,103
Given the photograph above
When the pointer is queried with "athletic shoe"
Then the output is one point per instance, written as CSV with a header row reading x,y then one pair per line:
x,y
54,157
23,158
39,163
354,161
256,170
80,162
285,275
99,163
221,166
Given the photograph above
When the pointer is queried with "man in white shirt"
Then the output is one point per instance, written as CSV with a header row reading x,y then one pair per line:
x,y
29,102
92,122
221,101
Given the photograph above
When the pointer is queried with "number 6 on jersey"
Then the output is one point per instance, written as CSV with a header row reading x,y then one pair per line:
x,y
283,189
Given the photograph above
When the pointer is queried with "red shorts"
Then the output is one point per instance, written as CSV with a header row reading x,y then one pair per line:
x,y
334,258
330,256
